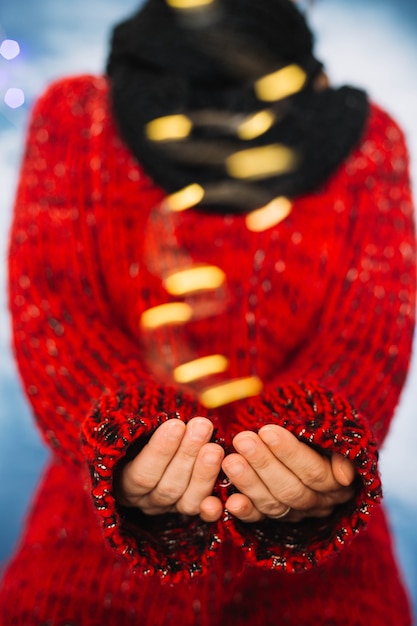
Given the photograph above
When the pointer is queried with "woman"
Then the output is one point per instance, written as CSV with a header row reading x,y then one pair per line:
x,y
212,287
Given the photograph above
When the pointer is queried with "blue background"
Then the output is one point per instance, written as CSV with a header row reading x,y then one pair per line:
x,y
371,43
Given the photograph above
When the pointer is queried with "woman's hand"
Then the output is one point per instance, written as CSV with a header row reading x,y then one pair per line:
x,y
274,471
280,477
175,472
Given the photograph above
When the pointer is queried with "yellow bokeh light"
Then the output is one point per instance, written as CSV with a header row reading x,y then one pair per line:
x,y
225,393
169,128
256,125
185,198
189,4
171,313
268,216
205,366
280,84
255,163
194,279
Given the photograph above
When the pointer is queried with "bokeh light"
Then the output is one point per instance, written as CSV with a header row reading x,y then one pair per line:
x,y
14,97
9,49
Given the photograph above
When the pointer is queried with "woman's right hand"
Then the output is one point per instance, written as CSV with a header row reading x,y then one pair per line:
x,y
175,472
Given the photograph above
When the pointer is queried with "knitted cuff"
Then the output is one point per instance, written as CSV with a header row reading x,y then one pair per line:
x,y
328,423
170,546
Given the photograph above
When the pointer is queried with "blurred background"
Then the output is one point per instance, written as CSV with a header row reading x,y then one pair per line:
x,y
371,43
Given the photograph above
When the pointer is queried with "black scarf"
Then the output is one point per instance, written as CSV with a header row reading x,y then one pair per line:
x,y
167,61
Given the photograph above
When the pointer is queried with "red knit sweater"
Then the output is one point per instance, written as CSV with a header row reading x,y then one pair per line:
x,y
318,308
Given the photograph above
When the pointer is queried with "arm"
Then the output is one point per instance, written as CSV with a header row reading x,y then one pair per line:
x,y
82,372
339,391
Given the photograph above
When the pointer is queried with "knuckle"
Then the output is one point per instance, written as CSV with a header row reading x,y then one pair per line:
x,y
143,481
147,506
189,453
166,496
316,475
293,495
272,508
261,463
187,508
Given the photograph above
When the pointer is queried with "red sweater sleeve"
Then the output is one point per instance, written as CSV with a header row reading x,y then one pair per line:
x,y
339,391
88,387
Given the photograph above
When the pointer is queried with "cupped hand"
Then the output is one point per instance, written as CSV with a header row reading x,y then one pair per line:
x,y
174,472
280,477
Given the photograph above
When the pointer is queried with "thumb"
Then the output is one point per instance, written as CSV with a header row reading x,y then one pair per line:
x,y
343,470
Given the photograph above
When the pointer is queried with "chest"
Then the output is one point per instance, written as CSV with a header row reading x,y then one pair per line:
x,y
267,288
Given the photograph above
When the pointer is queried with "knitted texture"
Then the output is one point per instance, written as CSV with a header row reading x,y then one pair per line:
x,y
320,307
116,423
162,65
330,424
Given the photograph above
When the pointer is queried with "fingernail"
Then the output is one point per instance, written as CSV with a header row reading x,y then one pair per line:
x,y
199,430
173,429
246,445
269,436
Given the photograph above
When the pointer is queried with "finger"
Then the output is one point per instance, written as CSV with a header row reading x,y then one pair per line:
x,y
241,507
285,486
177,475
205,472
144,472
245,478
211,509
343,470
313,469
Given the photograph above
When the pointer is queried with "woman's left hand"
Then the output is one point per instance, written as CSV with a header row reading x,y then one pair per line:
x,y
280,477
